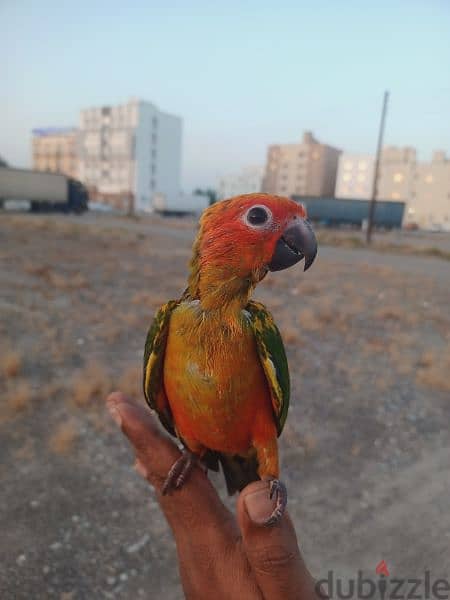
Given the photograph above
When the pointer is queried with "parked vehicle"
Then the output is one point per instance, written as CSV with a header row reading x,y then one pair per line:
x,y
43,191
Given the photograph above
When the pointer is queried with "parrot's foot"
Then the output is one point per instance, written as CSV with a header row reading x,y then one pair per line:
x,y
179,472
278,490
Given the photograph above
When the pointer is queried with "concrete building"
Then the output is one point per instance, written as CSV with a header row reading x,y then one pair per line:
x,y
423,186
308,168
397,173
248,180
55,149
429,205
130,152
355,176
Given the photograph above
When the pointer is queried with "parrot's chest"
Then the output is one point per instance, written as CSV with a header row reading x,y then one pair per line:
x,y
214,380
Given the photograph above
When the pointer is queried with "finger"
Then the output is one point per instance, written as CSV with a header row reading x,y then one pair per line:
x,y
272,551
196,506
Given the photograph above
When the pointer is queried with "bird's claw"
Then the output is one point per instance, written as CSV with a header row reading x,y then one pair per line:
x,y
278,490
179,472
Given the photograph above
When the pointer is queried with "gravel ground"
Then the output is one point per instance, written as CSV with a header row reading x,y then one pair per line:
x,y
365,452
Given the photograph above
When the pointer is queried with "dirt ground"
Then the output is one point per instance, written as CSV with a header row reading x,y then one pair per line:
x,y
365,452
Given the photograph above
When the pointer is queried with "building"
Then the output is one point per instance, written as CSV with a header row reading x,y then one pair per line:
x,y
130,152
429,205
396,173
307,168
248,180
355,176
55,149
423,186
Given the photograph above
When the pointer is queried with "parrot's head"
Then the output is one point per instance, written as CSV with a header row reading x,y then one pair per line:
x,y
243,238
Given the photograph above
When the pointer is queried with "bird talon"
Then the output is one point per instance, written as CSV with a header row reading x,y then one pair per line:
x,y
278,490
179,472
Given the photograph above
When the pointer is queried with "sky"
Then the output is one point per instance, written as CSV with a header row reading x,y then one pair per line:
x,y
242,75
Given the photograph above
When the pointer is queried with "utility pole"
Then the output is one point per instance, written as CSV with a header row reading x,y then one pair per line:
x,y
373,199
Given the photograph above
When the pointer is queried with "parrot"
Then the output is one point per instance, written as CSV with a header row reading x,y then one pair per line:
x,y
215,368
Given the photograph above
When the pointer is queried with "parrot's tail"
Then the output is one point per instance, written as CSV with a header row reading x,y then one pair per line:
x,y
239,471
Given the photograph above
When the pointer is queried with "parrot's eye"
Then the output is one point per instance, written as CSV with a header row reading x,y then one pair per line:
x,y
258,215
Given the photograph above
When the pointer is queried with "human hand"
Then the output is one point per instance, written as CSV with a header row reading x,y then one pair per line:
x,y
219,556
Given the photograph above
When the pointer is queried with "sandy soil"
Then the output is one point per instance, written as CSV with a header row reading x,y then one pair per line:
x,y
365,452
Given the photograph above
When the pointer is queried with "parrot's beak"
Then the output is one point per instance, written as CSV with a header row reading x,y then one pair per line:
x,y
296,242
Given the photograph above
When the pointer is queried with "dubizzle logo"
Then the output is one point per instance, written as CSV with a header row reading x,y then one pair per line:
x,y
382,569
384,586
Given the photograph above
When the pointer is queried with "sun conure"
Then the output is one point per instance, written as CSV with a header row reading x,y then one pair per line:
x,y
215,369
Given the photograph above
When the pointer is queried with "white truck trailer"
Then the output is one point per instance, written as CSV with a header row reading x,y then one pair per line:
x,y
42,191
183,204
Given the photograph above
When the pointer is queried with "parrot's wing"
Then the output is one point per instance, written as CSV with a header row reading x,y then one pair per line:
x,y
273,359
155,347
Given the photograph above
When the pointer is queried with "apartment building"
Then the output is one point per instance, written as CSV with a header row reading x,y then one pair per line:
x,y
55,149
429,205
397,173
354,177
424,186
248,180
305,169
130,152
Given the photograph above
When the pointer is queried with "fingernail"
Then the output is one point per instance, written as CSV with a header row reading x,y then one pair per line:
x,y
115,414
259,506
139,467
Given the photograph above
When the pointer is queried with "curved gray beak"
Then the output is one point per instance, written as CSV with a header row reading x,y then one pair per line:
x,y
296,242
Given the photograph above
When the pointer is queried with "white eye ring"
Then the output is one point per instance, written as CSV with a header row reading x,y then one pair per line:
x,y
254,217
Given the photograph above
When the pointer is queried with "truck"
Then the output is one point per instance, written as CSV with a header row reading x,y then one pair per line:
x,y
42,191
182,204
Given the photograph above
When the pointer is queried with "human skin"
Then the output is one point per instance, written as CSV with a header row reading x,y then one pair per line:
x,y
219,554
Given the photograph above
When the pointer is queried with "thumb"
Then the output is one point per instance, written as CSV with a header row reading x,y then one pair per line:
x,y
272,551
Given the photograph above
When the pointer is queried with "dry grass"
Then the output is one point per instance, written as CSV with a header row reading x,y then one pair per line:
x,y
18,397
11,364
90,385
434,371
356,240
389,313
309,443
64,438
57,280
130,382
289,334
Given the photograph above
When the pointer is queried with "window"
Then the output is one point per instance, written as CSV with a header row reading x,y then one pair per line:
x,y
316,155
398,177
395,196
155,122
154,138
152,184
362,165
346,177
348,165
361,177
153,153
429,178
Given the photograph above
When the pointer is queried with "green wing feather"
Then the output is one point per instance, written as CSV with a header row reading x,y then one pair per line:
x,y
273,359
155,347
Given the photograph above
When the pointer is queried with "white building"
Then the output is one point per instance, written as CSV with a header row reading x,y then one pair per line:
x,y
247,181
354,177
129,152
